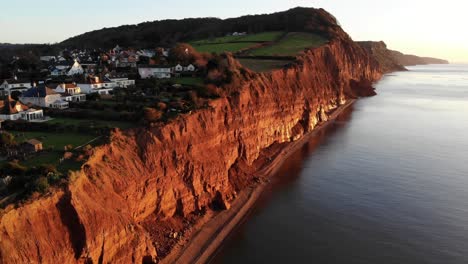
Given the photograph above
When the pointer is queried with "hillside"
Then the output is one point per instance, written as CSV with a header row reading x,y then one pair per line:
x,y
144,192
391,60
384,56
411,60
168,32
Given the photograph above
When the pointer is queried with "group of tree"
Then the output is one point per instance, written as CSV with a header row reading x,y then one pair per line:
x,y
166,33
26,180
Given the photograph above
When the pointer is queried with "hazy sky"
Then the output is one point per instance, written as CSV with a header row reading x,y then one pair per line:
x,y
426,28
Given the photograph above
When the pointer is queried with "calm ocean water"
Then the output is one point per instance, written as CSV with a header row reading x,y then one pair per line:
x,y
387,183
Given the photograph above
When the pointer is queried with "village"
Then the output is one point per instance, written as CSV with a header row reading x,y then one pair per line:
x,y
56,108
78,97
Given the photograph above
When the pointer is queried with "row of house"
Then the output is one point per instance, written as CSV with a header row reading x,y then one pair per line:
x,y
91,84
40,96
89,60
164,71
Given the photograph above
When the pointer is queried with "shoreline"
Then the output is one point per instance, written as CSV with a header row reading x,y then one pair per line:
x,y
213,229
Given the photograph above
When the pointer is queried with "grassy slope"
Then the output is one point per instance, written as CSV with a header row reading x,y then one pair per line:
x,y
234,43
260,37
224,47
263,65
290,45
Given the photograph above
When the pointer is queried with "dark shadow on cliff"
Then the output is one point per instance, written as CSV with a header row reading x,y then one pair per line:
x,y
70,219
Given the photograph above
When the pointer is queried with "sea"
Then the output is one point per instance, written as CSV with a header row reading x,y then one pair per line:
x,y
387,182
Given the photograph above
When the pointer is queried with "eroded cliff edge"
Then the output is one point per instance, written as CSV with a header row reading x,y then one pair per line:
x,y
185,166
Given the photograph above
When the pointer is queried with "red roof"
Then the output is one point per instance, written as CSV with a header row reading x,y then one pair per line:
x,y
9,106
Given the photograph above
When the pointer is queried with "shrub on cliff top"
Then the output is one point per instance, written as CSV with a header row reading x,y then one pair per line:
x,y
152,115
41,185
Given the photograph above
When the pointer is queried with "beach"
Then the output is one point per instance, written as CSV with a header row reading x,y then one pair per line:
x,y
208,234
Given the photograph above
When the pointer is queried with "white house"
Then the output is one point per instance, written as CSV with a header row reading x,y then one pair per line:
x,y
14,110
179,68
95,85
63,65
239,33
70,92
58,72
155,71
146,53
48,58
43,96
190,68
76,69
122,82
11,85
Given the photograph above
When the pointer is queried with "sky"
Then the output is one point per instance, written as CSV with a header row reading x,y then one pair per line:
x,y
425,28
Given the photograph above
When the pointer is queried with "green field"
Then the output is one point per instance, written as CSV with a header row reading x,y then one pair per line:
x,y
56,141
192,81
54,145
263,37
224,47
258,65
290,45
260,37
91,123
234,43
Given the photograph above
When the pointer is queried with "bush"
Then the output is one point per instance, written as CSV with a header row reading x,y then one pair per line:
x,y
152,115
41,185
7,139
13,168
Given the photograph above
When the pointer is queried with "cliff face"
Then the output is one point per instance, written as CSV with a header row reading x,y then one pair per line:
x,y
392,60
411,60
384,56
189,165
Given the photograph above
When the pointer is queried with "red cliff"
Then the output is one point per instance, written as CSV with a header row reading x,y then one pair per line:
x,y
189,165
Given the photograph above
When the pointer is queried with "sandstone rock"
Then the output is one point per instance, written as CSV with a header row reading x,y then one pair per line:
x,y
152,171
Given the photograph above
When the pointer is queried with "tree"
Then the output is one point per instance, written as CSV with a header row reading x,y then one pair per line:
x,y
183,53
7,140
15,95
152,115
41,185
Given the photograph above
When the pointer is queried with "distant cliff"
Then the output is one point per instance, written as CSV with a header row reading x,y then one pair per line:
x,y
392,60
411,60
192,164
388,61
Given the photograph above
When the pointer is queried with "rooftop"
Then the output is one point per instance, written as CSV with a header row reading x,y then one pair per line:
x,y
39,91
34,142
9,106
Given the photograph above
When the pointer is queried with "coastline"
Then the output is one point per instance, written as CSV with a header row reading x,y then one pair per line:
x,y
214,228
